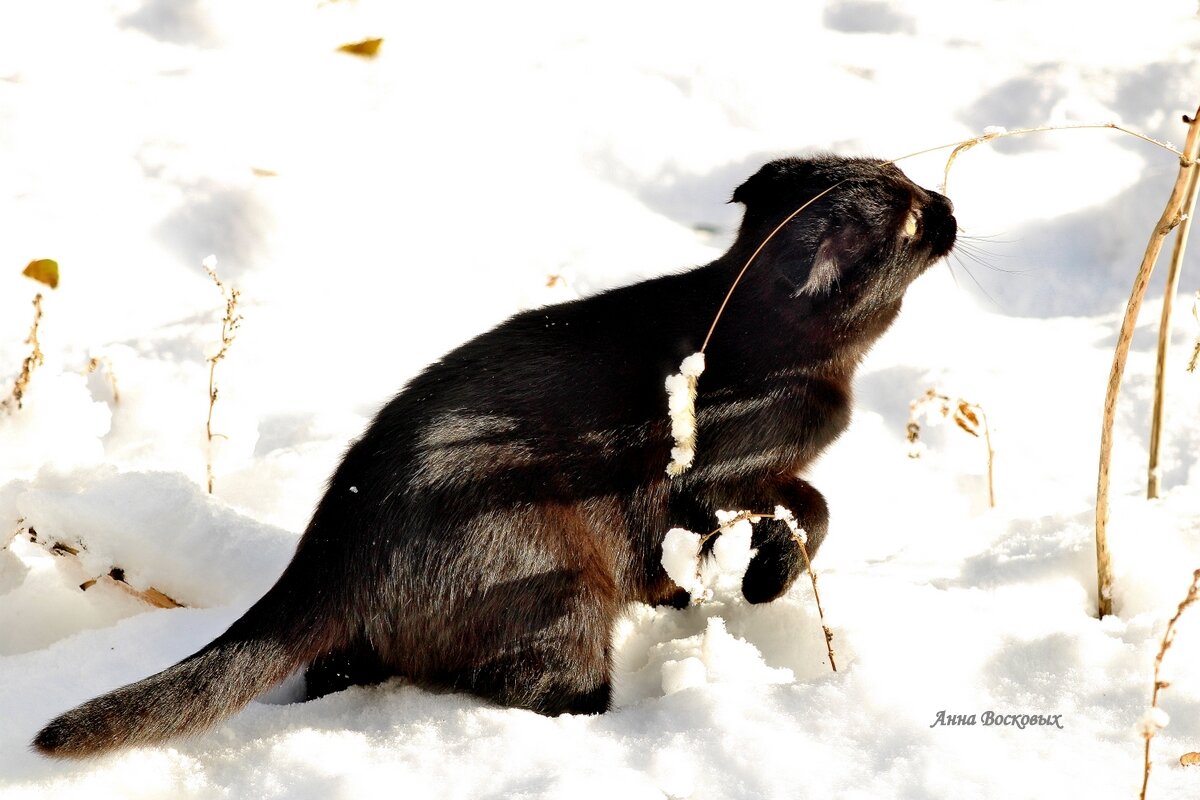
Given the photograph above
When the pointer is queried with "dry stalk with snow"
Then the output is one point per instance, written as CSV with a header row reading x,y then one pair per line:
x,y
681,396
969,417
1176,212
103,362
1155,718
681,403
229,327
800,536
32,361
729,521
114,577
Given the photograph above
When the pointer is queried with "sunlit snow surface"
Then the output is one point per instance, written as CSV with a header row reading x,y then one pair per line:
x,y
376,213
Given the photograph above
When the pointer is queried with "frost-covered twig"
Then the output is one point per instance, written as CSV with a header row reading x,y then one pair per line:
x,y
32,361
115,576
229,327
681,404
1172,215
969,417
801,539
1155,719
682,548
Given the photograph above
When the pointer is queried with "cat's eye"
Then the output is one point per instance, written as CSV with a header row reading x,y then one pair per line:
x,y
912,224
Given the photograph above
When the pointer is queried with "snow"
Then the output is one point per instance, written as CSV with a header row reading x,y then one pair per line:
x,y
681,409
375,213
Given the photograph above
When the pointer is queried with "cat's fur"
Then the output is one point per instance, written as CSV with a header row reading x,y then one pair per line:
x,y
489,526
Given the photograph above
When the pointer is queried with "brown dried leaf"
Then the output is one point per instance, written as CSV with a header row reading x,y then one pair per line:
x,y
43,270
1190,759
367,48
965,418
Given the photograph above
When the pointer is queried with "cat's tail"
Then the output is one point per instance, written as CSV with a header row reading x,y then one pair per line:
x,y
283,631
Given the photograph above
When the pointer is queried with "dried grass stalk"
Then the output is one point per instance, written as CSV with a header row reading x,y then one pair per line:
x,y
1154,473
1171,217
229,327
103,362
1149,727
114,577
32,361
801,538
969,417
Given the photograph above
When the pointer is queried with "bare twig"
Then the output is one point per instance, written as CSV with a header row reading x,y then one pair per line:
x,y
969,417
98,362
1196,351
32,361
967,144
1171,217
115,576
801,539
229,327
817,595
1154,719
1164,335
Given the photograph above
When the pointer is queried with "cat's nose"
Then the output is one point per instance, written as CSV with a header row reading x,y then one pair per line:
x,y
941,202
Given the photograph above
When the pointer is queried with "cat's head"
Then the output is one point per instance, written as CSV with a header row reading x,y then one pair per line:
x,y
858,246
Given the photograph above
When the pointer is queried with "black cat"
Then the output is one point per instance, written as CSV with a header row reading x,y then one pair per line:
x,y
490,525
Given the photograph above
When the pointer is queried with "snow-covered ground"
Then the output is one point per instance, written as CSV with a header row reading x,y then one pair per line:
x,y
374,213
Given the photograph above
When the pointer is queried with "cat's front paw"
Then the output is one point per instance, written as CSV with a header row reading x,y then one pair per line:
x,y
771,571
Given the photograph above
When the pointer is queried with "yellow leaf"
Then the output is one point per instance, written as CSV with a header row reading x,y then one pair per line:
x,y
367,48
44,270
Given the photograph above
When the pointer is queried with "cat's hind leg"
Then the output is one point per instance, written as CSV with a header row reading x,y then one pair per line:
x,y
356,665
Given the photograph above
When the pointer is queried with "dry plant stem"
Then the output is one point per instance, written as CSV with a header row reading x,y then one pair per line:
x,y
987,438
969,143
817,595
102,361
812,576
1164,335
229,326
754,255
33,360
1159,684
987,137
1171,217
114,577
969,417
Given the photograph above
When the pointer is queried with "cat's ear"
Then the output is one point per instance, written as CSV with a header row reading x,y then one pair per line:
x,y
771,183
824,273
751,188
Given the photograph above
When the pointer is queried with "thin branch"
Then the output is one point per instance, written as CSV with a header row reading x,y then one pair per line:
x,y
967,144
32,361
800,538
817,595
1150,728
229,327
